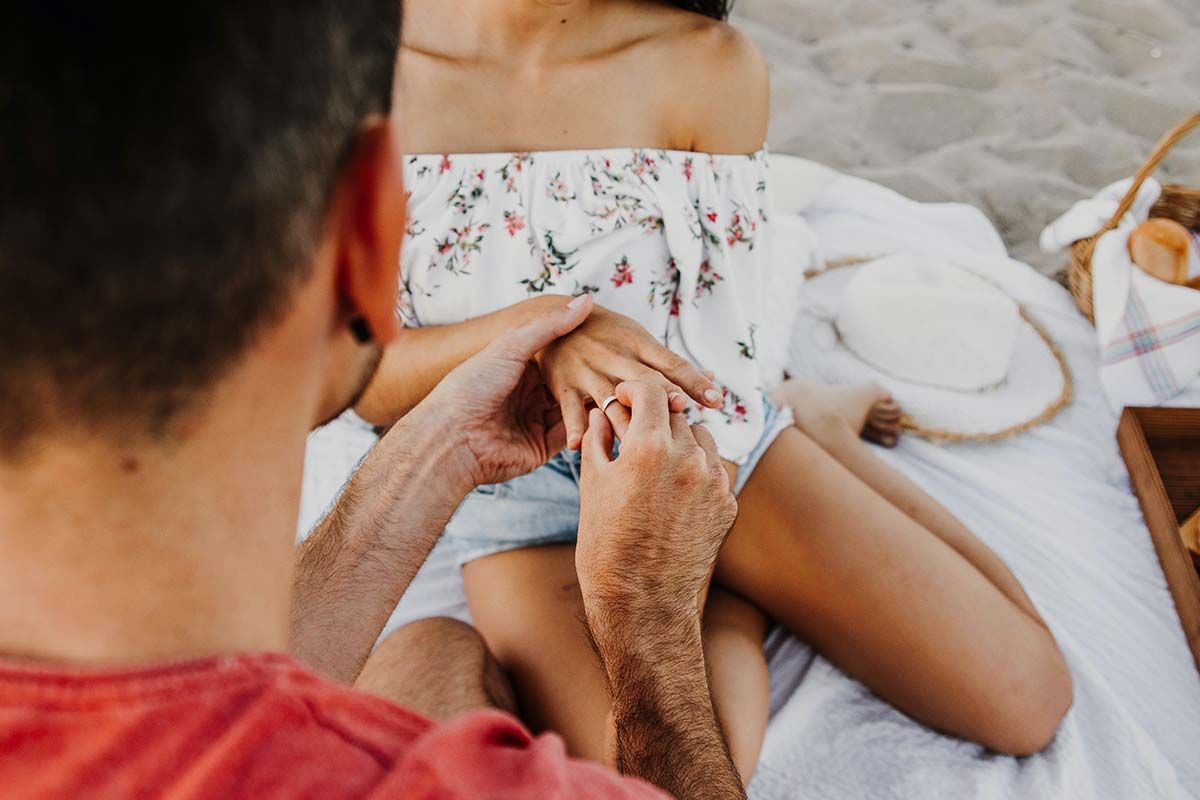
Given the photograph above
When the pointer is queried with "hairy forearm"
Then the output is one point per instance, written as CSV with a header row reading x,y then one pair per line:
x,y
666,727
420,357
353,569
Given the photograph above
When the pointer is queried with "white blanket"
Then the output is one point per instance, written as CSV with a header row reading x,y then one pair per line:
x,y
1054,503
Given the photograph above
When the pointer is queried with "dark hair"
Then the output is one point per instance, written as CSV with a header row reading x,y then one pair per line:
x,y
717,9
164,174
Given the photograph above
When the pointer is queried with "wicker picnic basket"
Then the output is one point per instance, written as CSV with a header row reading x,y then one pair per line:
x,y
1178,203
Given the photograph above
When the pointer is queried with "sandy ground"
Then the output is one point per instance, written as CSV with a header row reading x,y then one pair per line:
x,y
1019,107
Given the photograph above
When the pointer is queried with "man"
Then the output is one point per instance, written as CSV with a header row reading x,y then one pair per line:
x,y
200,210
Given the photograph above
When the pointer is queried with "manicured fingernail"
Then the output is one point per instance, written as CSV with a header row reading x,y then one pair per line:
x,y
578,301
673,396
711,395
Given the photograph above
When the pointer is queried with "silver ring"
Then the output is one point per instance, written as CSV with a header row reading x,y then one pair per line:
x,y
608,401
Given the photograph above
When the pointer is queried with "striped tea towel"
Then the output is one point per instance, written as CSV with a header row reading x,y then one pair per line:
x,y
1148,330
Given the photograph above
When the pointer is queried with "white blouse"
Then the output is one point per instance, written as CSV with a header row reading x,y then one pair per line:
x,y
676,240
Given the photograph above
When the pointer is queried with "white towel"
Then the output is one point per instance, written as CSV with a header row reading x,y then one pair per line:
x,y
1148,330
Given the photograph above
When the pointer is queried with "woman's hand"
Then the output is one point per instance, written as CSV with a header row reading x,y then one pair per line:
x,y
584,367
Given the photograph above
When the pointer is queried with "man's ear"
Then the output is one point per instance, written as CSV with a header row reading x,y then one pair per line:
x,y
368,219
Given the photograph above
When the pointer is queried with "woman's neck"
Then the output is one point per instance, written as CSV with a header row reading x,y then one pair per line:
x,y
519,28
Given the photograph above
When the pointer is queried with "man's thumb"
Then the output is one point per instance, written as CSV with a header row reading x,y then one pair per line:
x,y
526,341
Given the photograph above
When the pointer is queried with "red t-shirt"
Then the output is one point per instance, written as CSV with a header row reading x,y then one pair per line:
x,y
262,726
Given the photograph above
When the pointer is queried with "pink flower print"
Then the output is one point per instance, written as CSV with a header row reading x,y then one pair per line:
x,y
687,168
734,409
515,165
707,279
513,222
622,274
741,229
461,244
558,189
665,288
643,164
445,165
711,216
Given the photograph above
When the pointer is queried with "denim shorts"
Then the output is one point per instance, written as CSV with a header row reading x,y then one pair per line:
x,y
543,507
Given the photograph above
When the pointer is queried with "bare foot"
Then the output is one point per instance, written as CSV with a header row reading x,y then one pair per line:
x,y
866,408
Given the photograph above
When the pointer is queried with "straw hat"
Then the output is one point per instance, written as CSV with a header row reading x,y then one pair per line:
x,y
959,355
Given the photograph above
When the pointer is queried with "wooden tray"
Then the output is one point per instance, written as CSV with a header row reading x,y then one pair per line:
x,y
1161,447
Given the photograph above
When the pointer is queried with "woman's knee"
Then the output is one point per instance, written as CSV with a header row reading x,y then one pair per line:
x,y
728,615
1025,719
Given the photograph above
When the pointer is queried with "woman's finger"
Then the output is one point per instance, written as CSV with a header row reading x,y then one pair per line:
x,y
677,399
601,388
574,417
597,444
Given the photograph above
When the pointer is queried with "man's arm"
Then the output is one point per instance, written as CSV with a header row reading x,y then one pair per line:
x,y
651,525
419,358
354,567
667,731
488,420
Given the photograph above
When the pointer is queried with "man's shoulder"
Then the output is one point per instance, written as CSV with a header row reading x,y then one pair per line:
x,y
240,726
264,726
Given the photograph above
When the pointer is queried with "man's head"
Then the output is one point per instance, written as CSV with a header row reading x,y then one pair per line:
x,y
172,176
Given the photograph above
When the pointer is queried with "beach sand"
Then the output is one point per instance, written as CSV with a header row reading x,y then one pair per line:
x,y
1019,107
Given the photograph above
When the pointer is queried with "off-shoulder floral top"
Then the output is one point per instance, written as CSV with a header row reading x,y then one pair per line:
x,y
676,240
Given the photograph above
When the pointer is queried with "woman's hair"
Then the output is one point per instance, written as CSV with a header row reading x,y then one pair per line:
x,y
717,9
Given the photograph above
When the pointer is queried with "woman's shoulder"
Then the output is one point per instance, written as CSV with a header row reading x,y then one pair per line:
x,y
717,79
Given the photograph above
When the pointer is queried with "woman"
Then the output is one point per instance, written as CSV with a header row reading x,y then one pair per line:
x,y
615,148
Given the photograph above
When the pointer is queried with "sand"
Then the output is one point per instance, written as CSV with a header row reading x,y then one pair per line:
x,y
1019,107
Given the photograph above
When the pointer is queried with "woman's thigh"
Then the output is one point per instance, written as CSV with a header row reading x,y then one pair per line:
x,y
881,596
526,604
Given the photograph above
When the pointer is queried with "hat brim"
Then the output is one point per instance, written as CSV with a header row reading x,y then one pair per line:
x,y
1037,387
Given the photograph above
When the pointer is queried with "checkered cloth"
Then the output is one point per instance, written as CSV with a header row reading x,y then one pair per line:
x,y
1148,330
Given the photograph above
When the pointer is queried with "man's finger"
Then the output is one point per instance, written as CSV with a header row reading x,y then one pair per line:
x,y
647,405
531,338
705,440
677,398
618,415
598,441
681,430
681,372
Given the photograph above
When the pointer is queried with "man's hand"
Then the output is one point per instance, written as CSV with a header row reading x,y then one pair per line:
x,y
496,407
651,524
652,521
609,348
488,421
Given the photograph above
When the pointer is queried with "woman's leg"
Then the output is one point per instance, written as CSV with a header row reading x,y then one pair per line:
x,y
527,606
824,419
865,408
734,631
438,667
931,624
